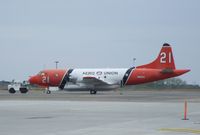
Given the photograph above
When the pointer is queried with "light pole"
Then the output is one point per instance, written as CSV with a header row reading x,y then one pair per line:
x,y
56,64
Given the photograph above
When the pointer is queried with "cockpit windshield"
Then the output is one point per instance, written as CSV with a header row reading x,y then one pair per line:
x,y
41,73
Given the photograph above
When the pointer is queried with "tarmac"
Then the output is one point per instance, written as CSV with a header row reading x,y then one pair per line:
x,y
140,112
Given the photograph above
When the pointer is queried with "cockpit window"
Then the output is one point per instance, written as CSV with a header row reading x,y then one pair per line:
x,y
41,73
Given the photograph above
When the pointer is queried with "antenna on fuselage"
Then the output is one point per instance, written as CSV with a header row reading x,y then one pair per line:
x,y
134,61
56,64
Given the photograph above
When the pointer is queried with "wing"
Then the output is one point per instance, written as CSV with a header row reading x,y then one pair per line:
x,y
93,81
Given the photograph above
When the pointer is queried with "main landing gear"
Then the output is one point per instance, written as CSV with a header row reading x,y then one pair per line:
x,y
48,92
93,92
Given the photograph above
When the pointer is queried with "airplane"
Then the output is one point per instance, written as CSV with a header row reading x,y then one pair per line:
x,y
93,80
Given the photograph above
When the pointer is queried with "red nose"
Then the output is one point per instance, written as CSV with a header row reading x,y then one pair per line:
x,y
33,80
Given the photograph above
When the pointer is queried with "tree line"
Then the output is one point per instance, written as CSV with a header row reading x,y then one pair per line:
x,y
173,83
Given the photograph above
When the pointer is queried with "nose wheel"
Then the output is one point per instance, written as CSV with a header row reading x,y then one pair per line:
x,y
48,92
93,92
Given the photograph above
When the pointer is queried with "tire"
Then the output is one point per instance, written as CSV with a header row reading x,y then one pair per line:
x,y
48,92
12,90
93,92
23,90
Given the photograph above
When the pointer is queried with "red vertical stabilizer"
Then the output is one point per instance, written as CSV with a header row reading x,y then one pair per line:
x,y
165,59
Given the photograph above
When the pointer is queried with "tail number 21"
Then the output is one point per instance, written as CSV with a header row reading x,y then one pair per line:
x,y
164,58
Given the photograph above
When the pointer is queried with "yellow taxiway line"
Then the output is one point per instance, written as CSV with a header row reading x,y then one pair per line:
x,y
181,130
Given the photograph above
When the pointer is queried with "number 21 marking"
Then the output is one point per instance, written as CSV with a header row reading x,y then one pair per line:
x,y
163,58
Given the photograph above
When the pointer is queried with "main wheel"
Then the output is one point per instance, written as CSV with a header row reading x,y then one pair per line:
x,y
12,90
93,92
48,92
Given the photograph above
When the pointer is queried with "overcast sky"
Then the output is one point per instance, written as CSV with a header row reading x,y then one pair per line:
x,y
96,34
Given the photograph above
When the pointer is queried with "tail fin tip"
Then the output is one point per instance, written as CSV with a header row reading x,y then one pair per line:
x,y
166,44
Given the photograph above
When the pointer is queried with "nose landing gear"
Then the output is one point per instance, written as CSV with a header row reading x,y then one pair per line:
x,y
47,91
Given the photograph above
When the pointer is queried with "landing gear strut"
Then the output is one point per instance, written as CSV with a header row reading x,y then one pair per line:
x,y
93,92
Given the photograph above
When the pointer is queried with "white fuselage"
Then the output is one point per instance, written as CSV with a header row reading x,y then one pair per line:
x,y
113,77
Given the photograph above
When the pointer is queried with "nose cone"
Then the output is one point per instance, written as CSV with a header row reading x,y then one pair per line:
x,y
33,80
